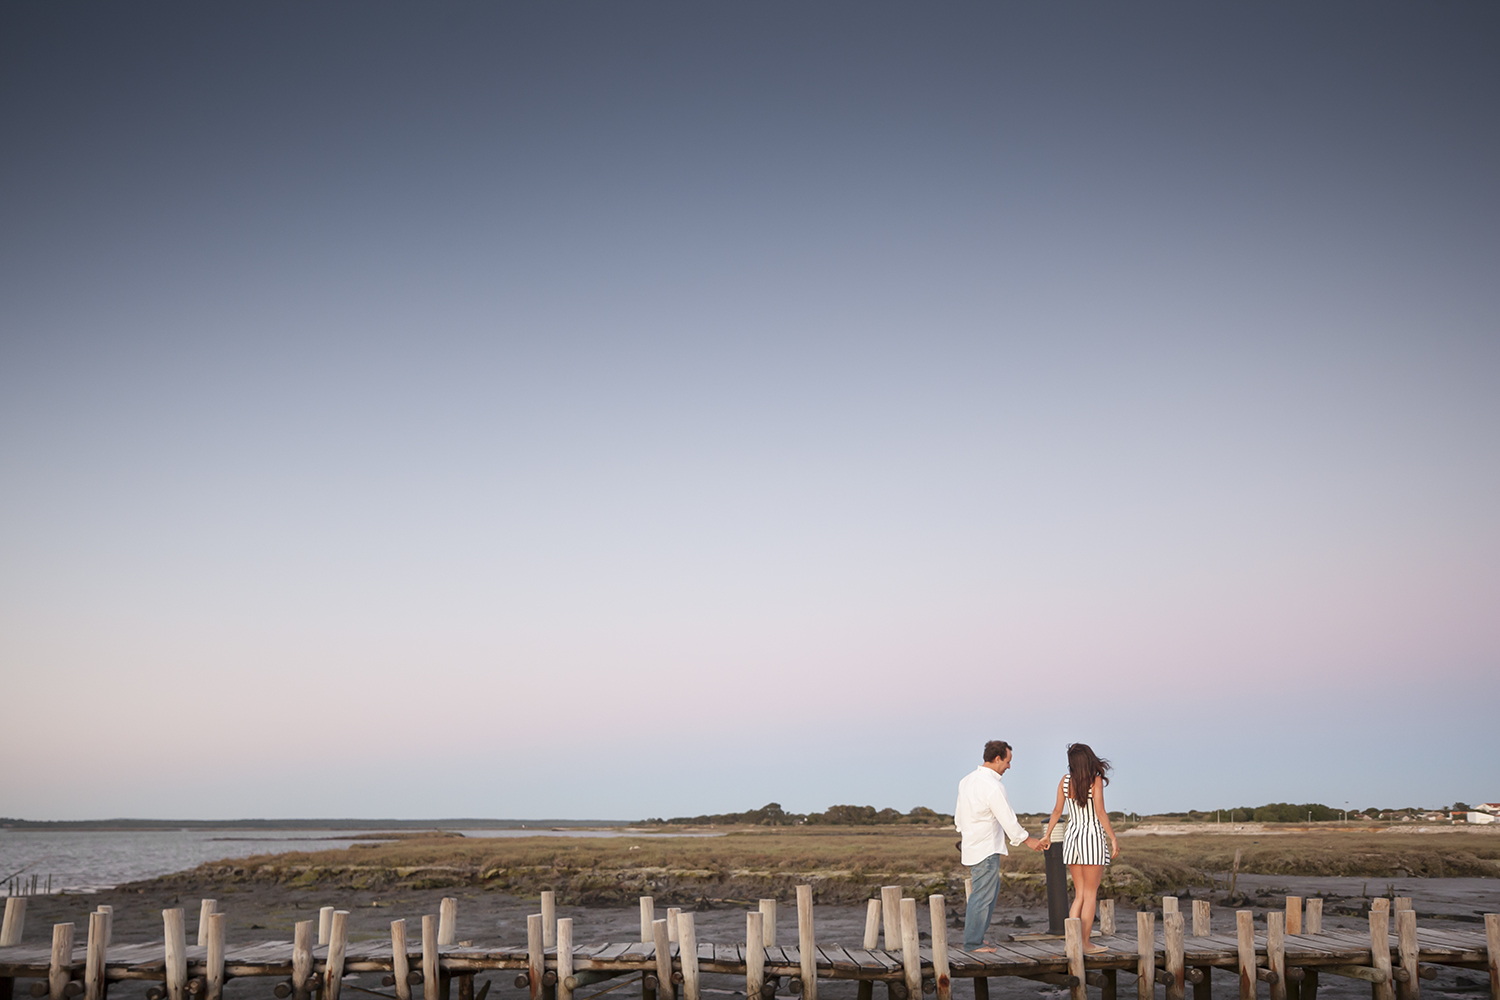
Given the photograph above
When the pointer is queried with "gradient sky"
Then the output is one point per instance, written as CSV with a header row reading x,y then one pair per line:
x,y
621,410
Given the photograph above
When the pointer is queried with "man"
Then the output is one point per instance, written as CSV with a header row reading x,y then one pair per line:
x,y
985,818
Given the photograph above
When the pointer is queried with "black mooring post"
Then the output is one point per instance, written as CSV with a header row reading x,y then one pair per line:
x,y
1057,890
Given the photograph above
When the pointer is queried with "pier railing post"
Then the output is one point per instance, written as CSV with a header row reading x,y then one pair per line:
x,y
663,958
400,964
1073,947
1244,926
174,934
911,954
93,969
536,962
1106,917
1312,922
890,912
807,949
15,921
1276,953
431,970
447,921
755,955
937,912
338,941
648,917
1145,949
1380,947
1173,948
325,924
60,968
549,920
1492,944
1294,914
1202,918
673,912
206,909
687,953
215,957
768,922
564,957
1406,946
302,959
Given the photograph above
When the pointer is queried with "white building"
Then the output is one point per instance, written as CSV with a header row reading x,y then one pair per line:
x,y
1482,817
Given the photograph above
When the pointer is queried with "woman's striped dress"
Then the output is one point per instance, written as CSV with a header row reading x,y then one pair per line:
x,y
1084,843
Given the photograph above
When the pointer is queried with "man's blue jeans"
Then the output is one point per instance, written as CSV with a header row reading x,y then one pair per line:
x,y
985,890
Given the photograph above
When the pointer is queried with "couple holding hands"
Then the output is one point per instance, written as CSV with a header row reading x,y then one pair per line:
x,y
984,818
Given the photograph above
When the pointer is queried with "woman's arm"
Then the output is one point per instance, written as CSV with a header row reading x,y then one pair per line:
x,y
1103,814
1056,812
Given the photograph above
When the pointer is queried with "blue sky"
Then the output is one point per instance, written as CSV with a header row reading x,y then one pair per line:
x,y
598,411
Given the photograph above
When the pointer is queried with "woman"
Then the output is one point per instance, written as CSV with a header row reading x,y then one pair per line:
x,y
1090,841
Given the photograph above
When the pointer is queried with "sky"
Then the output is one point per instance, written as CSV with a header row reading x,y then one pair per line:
x,y
592,410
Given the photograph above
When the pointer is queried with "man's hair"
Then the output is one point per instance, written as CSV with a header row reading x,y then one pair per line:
x,y
996,750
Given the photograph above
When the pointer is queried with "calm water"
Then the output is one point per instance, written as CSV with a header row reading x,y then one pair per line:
x,y
89,860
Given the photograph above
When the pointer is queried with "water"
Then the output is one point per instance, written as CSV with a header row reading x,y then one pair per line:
x,y
91,860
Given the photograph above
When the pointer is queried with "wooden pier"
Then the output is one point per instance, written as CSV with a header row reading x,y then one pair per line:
x,y
1286,955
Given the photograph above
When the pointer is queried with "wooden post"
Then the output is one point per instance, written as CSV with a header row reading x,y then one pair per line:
x,y
755,955
1169,905
1401,903
400,964
1204,988
1145,948
447,921
911,954
872,925
174,932
687,952
549,921
1406,947
431,971
673,912
564,932
302,959
1492,942
663,957
1309,988
807,947
1276,952
1202,918
1244,925
93,969
1172,928
1235,875
15,921
1380,948
1073,946
768,922
536,961
1106,917
60,970
937,912
338,941
215,957
325,924
206,909
1312,922
1294,914
648,916
890,909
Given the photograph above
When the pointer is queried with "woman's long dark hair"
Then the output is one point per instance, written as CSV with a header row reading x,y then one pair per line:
x,y
1083,767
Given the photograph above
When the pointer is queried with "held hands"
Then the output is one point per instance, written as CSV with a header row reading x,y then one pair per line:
x,y
1036,844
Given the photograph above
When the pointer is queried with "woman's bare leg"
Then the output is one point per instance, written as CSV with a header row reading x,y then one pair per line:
x,y
1076,907
1087,882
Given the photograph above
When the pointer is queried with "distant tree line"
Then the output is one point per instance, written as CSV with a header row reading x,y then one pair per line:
x,y
771,814
1287,812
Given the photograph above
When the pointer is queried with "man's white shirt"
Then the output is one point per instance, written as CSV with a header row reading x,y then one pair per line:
x,y
984,816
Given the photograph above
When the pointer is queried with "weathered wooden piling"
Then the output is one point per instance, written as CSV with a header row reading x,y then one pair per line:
x,y
1173,949
1312,922
911,956
174,934
806,943
1276,953
431,974
1380,948
302,959
60,969
1073,948
447,921
400,964
325,924
1202,918
564,931
768,922
1106,908
206,909
890,910
937,912
217,932
1145,938
673,912
1294,914
648,917
687,940
663,957
1169,905
1244,925
536,955
14,925
549,918
1406,947
1492,943
93,969
755,954
338,942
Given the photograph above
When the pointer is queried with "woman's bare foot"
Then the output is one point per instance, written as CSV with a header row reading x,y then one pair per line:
x,y
1095,949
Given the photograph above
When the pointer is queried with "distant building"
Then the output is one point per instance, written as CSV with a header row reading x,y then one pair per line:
x,y
1482,817
1493,808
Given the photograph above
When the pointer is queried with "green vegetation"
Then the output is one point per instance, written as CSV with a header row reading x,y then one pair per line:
x,y
772,814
